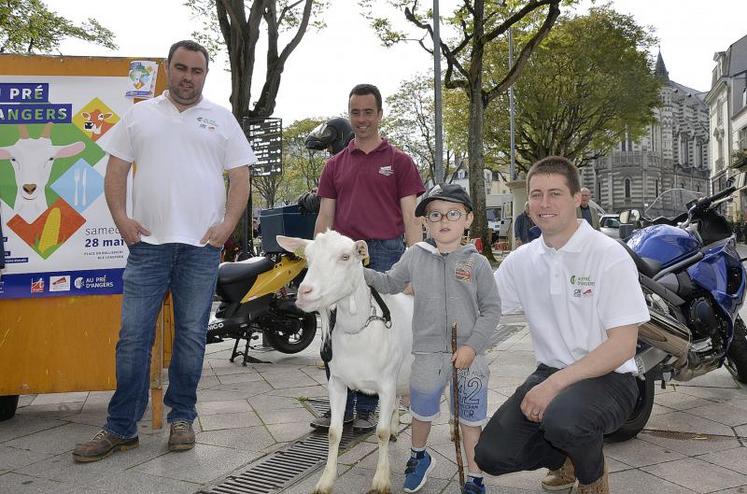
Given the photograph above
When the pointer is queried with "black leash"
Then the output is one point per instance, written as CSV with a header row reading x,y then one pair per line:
x,y
326,350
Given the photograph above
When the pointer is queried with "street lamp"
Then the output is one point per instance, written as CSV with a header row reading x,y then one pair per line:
x,y
438,164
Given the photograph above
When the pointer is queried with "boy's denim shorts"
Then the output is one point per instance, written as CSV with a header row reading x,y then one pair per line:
x,y
432,372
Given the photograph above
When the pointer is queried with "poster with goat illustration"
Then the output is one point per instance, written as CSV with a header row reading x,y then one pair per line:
x,y
58,236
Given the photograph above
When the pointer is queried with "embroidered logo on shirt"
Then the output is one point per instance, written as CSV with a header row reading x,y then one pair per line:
x,y
386,170
581,281
581,293
463,271
206,123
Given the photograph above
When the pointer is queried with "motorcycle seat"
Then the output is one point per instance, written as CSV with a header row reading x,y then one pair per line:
x,y
646,266
243,271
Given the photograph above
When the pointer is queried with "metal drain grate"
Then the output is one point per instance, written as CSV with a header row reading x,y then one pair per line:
x,y
287,466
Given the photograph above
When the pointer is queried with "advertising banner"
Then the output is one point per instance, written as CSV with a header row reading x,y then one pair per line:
x,y
57,234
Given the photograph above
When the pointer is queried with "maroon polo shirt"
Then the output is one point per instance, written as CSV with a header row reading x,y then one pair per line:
x,y
367,189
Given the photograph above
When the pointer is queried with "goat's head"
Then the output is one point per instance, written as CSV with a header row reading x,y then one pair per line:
x,y
32,161
334,268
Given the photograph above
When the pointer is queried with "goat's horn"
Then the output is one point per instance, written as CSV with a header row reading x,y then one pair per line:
x,y
23,132
46,130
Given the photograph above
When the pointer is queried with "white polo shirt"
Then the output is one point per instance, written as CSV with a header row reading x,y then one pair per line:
x,y
178,189
573,295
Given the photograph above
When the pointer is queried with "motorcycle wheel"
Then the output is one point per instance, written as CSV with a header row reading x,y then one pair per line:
x,y
736,357
287,342
8,406
641,413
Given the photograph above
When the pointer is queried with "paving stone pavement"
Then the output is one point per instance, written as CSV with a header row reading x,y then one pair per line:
x,y
693,443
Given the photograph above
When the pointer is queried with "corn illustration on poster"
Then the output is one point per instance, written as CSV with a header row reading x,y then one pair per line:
x,y
58,236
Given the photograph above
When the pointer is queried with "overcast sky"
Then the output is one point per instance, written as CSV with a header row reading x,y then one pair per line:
x,y
327,63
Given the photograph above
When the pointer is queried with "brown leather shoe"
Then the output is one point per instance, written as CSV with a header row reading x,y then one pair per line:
x,y
102,445
562,478
181,436
599,486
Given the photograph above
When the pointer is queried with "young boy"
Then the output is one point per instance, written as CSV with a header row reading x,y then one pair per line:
x,y
452,283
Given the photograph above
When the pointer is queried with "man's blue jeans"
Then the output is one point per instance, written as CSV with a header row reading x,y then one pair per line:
x,y
190,273
383,254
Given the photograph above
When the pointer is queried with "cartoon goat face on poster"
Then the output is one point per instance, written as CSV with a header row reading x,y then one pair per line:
x,y
32,161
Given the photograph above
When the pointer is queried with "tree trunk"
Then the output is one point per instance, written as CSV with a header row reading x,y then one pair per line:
x,y
475,135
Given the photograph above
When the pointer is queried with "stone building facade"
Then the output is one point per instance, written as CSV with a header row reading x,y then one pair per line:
x,y
727,101
673,154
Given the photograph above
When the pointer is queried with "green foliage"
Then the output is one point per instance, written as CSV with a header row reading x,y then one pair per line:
x,y
28,26
301,167
586,85
409,124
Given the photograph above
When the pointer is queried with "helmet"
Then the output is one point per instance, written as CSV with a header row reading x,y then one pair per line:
x,y
335,133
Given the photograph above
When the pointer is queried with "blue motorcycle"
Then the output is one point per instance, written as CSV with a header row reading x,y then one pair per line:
x,y
694,284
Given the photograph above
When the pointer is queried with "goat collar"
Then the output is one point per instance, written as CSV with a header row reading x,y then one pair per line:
x,y
386,317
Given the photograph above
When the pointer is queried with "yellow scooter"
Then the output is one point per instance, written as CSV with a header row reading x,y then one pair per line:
x,y
258,298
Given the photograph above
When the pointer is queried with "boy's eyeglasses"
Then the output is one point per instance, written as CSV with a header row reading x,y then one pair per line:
x,y
451,215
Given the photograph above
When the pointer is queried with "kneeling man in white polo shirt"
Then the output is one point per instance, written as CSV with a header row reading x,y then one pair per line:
x,y
580,293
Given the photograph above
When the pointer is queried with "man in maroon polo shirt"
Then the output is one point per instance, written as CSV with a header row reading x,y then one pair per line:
x,y
368,192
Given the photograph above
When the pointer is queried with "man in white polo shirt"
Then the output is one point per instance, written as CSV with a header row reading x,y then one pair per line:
x,y
580,293
181,145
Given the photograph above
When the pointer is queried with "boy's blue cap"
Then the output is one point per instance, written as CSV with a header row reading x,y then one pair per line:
x,y
445,192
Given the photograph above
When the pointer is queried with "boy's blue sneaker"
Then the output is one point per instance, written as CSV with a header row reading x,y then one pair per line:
x,y
417,472
472,488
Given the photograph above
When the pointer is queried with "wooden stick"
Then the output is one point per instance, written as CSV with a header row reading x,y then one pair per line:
x,y
455,400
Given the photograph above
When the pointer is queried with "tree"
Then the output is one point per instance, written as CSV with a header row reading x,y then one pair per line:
x,y
587,85
479,27
301,167
306,165
28,26
240,26
410,125
267,187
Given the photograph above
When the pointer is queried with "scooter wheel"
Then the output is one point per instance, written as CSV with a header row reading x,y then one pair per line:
x,y
293,342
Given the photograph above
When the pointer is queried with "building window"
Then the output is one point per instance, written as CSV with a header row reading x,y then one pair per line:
x,y
627,188
656,186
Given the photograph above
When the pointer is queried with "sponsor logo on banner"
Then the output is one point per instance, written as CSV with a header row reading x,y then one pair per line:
x,y
37,285
59,283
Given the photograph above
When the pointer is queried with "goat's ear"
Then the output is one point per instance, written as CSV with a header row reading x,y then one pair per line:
x,y
292,244
69,150
361,249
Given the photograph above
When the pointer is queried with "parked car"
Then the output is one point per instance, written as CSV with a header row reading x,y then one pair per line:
x,y
609,224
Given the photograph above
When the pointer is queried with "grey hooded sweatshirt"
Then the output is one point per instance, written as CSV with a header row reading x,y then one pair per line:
x,y
458,287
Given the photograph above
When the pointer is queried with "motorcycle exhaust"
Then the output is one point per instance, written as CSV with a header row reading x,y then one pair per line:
x,y
666,334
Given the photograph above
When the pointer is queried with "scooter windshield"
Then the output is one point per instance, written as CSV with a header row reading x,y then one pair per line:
x,y
671,203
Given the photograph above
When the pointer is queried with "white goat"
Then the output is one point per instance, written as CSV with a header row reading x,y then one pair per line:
x,y
366,354
32,161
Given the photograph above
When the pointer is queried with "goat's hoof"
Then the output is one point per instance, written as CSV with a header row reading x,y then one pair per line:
x,y
322,490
